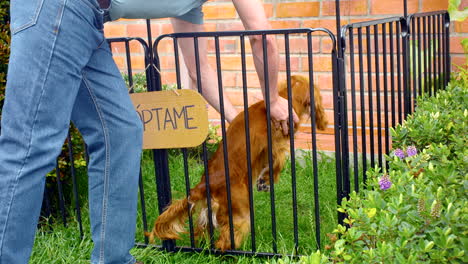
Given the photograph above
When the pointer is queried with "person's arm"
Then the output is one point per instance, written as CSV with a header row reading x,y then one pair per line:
x,y
253,17
208,75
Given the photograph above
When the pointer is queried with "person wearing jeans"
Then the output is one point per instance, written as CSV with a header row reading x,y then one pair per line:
x,y
61,70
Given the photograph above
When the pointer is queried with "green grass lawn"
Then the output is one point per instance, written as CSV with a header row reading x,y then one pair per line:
x,y
57,244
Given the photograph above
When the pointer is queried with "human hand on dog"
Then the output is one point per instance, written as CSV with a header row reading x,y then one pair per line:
x,y
279,114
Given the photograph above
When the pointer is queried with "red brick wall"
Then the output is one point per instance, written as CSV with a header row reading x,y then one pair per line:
x,y
220,15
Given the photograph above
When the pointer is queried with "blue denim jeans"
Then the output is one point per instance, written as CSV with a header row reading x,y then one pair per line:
x,y
61,69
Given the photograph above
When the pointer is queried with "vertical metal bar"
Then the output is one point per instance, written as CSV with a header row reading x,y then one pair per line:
x,y
406,73
163,186
75,184
314,140
338,143
344,119
377,93
353,112
291,143
384,49
140,176
129,66
184,150
413,76
439,52
371,106
85,147
392,75
447,47
338,26
424,50
420,52
225,146
429,56
205,152
398,42
247,141
434,53
405,8
60,194
46,203
363,106
161,165
270,153
187,194
143,205
160,156
154,77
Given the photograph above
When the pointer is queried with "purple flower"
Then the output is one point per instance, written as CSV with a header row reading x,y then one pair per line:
x,y
385,182
399,153
411,151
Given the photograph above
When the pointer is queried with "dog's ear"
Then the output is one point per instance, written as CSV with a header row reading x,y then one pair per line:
x,y
320,117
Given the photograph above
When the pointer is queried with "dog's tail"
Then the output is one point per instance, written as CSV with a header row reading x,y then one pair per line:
x,y
170,222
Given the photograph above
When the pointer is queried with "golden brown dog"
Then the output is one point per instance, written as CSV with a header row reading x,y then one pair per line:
x,y
172,221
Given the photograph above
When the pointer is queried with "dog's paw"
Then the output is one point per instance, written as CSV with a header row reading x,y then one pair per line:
x,y
262,185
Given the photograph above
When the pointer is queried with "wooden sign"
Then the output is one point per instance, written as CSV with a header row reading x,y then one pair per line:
x,y
172,119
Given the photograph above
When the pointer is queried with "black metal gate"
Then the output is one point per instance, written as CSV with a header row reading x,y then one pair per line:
x,y
389,63
164,174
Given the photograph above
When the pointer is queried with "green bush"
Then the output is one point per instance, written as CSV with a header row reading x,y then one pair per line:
x,y
4,47
417,211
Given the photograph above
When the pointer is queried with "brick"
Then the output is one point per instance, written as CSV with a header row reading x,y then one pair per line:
x,y
434,5
115,30
229,26
120,62
213,114
168,77
229,79
459,61
138,63
268,10
305,128
298,45
392,7
329,24
219,11
282,24
463,5
225,45
209,26
252,80
461,27
118,48
326,45
237,97
166,28
320,64
166,45
140,30
294,63
167,62
232,63
297,9
347,8
456,46
325,142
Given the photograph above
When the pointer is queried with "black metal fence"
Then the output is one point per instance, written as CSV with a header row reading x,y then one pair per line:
x,y
380,67
389,63
166,189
